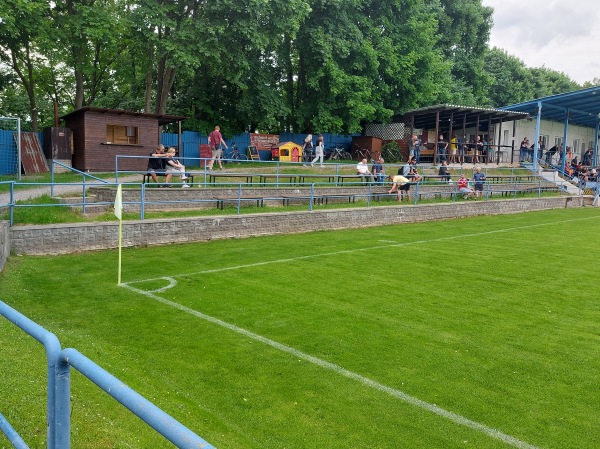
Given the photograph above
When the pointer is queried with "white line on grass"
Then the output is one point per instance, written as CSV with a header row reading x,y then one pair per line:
x,y
458,419
350,251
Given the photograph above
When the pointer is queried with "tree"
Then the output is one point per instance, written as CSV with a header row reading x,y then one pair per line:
x,y
512,82
464,27
24,23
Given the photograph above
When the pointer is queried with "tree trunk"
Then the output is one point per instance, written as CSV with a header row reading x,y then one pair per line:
x,y
28,83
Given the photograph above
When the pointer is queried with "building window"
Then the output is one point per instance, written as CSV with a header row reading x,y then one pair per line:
x,y
123,135
575,146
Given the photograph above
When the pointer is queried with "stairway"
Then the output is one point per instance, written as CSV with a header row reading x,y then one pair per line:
x,y
553,176
90,207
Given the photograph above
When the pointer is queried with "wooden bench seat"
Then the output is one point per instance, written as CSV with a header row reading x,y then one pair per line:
x,y
147,177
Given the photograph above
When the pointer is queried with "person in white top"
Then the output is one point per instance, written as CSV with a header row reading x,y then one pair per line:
x,y
319,151
363,169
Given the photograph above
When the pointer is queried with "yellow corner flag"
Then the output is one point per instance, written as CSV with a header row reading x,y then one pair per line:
x,y
119,215
119,203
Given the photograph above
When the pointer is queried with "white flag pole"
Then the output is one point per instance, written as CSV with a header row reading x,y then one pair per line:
x,y
119,215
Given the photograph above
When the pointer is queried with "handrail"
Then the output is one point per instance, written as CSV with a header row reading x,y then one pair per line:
x,y
59,363
83,174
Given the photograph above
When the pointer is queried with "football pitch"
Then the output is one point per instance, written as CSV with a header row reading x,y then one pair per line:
x,y
470,333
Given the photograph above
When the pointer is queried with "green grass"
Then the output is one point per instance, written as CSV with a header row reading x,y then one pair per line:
x,y
491,318
30,181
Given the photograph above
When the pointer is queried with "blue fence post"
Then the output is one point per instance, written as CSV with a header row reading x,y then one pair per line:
x,y
52,180
62,389
369,196
52,346
312,195
12,202
83,195
239,203
416,193
142,201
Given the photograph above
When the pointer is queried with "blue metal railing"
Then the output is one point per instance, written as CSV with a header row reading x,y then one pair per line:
x,y
59,363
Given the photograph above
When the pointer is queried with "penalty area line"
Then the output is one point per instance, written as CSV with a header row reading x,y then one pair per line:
x,y
405,397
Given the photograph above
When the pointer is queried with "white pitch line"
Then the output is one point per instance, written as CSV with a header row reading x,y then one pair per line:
x,y
372,248
457,419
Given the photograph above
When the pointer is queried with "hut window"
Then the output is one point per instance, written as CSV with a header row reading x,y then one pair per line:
x,y
120,134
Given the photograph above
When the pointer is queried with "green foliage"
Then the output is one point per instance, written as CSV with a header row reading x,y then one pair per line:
x,y
391,152
292,65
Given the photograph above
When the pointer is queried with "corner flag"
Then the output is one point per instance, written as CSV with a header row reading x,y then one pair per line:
x,y
119,215
119,203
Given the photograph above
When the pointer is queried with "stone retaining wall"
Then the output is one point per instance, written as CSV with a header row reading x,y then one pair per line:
x,y
70,238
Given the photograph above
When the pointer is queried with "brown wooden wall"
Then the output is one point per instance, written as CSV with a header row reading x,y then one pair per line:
x,y
91,151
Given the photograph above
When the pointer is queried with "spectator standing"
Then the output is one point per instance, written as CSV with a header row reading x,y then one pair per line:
x,y
453,149
442,149
400,184
415,143
478,150
540,148
319,151
587,157
550,154
216,142
479,178
524,149
307,149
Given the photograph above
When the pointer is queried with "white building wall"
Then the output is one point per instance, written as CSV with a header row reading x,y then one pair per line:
x,y
579,138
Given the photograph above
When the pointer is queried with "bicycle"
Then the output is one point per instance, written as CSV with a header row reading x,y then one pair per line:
x,y
235,155
337,153
363,153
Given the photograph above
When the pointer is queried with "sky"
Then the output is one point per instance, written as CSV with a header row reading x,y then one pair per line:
x,y
561,35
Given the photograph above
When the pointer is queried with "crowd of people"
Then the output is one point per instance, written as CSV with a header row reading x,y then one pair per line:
x,y
580,171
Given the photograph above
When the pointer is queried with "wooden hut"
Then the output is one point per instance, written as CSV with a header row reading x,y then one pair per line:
x,y
99,134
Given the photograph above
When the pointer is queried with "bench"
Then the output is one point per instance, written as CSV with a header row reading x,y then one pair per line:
x,y
147,177
277,177
357,178
319,199
212,177
304,177
234,201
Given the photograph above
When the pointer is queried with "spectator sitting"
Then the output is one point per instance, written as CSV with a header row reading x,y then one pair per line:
x,y
362,169
405,169
156,164
174,166
463,187
443,172
413,174
593,175
569,167
378,170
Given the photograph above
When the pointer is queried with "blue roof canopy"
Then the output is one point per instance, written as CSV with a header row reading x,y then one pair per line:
x,y
583,107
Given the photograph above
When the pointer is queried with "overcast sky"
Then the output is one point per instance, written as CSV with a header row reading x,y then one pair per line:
x,y
563,35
